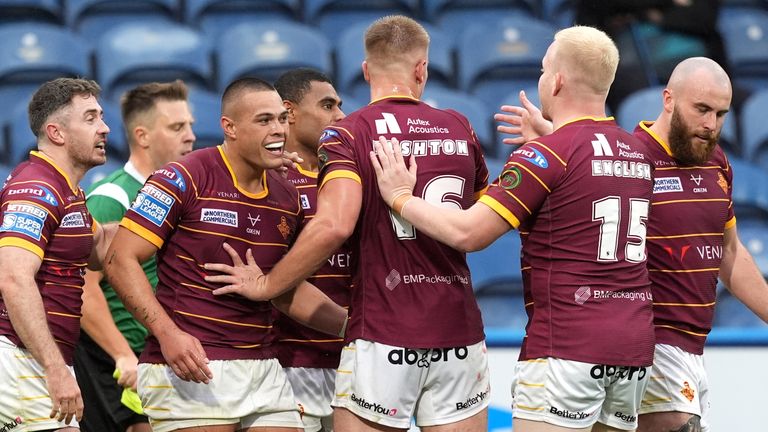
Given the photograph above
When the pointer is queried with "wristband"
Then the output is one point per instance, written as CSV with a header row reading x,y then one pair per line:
x,y
399,203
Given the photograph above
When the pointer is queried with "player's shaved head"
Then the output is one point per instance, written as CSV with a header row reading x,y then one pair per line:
x,y
393,40
587,56
698,72
237,88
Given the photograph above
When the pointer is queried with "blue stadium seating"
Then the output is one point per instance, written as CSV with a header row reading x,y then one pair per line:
x,y
532,93
750,190
498,58
135,53
350,54
117,141
745,35
5,170
269,49
730,312
333,16
455,15
754,236
215,16
477,113
206,109
21,137
561,13
754,126
350,104
92,18
646,104
14,11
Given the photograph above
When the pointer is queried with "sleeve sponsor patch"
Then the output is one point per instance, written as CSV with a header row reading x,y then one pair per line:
x,y
73,220
153,204
38,192
26,219
173,176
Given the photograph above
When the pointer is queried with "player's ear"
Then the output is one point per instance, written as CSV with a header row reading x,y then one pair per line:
x,y
291,107
669,100
228,126
366,73
558,85
54,133
141,136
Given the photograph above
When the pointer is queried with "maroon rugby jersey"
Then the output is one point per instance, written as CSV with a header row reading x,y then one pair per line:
x,y
690,210
188,209
300,346
44,213
580,198
408,289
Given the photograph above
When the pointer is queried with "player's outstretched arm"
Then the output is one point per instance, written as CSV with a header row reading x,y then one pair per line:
x,y
182,351
741,276
27,315
97,321
525,120
312,308
465,230
102,238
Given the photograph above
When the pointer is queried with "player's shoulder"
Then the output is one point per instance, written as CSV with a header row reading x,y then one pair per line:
x,y
280,185
719,158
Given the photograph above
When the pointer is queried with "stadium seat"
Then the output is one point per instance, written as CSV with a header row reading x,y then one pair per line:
x,y
750,190
745,35
5,170
92,18
216,16
14,11
730,312
206,109
269,49
477,113
22,140
561,13
754,236
350,54
138,52
332,15
351,103
506,52
754,126
453,16
502,310
117,141
646,104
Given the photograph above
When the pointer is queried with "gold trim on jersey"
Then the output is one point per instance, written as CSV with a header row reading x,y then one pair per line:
x,y
231,237
681,330
527,384
312,340
689,168
351,175
684,236
562,162
56,234
394,97
64,285
731,223
62,314
195,286
646,126
329,276
593,118
534,175
247,346
189,314
500,210
259,195
685,304
481,192
142,232
75,189
23,244
691,200
715,269
305,172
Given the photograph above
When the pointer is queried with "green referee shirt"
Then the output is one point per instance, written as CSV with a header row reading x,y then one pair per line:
x,y
108,200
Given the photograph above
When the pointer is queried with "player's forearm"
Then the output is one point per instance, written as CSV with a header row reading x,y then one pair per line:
x,y
454,227
102,240
743,279
312,308
97,320
27,315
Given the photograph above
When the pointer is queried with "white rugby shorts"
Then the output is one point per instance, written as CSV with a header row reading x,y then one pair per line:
x,y
313,389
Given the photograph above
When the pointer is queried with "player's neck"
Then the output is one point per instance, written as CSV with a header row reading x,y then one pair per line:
x,y
309,155
142,164
661,128
248,176
566,114
74,171
393,88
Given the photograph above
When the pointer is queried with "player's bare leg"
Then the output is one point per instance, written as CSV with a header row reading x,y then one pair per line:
x,y
672,421
522,425
599,427
476,423
345,421
139,427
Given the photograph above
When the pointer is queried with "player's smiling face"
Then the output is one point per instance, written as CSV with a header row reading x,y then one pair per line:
x,y
261,124
84,131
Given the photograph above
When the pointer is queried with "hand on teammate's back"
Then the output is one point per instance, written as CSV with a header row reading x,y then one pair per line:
x,y
393,177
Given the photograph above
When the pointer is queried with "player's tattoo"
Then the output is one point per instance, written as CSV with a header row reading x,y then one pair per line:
x,y
112,257
692,425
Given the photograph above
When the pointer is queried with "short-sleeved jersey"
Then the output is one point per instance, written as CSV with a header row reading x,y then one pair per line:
x,y
188,209
300,346
107,200
408,289
45,213
690,210
580,198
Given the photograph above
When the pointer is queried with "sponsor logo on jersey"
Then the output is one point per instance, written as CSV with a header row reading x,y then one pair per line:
x,y
472,401
697,180
339,260
710,252
387,125
153,204
578,415
435,279
510,178
253,220
284,228
625,417
322,158
616,373
533,156
621,295
25,219
626,151
219,217
412,357
687,391
392,280
722,183
304,202
683,250
73,220
667,184
173,176
39,192
329,133
419,126
582,294
377,408
601,146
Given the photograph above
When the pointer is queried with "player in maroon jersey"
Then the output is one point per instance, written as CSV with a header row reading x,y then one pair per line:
x,y
415,343
580,197
310,358
227,195
692,237
47,239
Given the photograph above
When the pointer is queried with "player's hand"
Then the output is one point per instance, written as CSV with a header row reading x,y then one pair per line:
x,y
245,279
65,394
290,159
185,355
128,365
525,120
393,177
